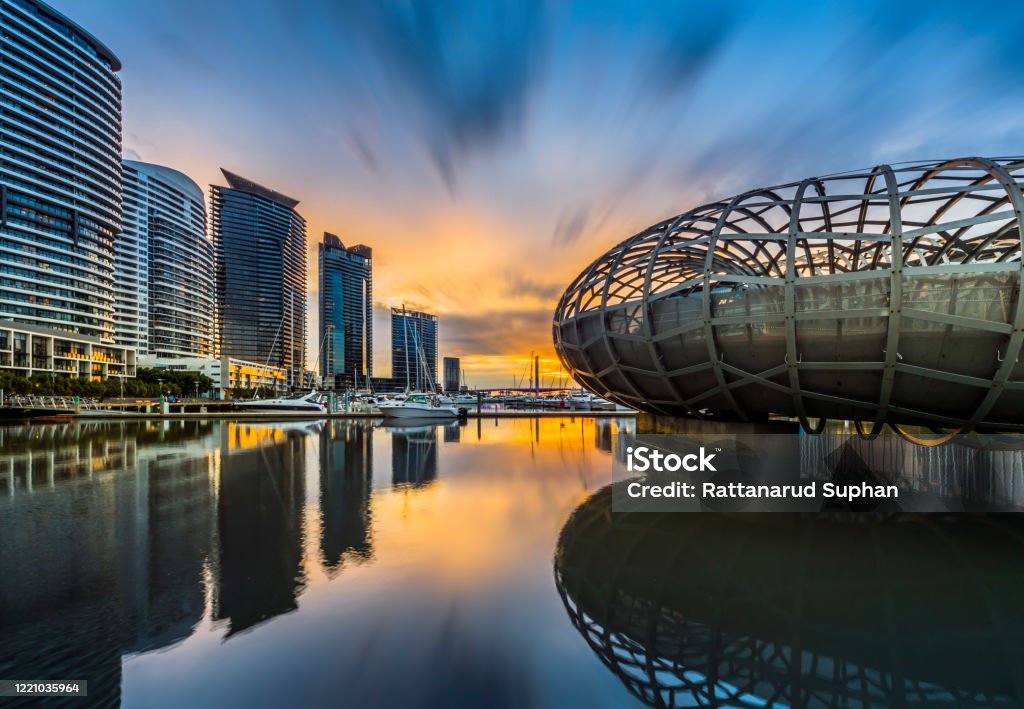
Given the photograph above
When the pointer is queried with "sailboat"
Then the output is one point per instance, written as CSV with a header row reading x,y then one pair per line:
x,y
426,404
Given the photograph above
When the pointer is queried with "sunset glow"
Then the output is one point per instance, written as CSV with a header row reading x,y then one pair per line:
x,y
488,152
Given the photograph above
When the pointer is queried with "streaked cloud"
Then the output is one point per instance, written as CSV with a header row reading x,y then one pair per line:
x,y
489,150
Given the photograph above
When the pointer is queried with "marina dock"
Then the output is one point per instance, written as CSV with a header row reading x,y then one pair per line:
x,y
62,408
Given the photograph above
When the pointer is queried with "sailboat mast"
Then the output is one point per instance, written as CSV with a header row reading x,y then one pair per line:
x,y
291,341
320,349
536,375
405,345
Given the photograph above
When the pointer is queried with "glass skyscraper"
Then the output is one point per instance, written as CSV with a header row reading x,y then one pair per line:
x,y
164,265
346,312
413,349
60,172
260,245
452,374
60,207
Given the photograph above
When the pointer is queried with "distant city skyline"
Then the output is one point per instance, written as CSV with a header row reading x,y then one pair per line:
x,y
488,151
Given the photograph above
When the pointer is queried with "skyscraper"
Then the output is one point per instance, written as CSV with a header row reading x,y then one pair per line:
x,y
164,265
60,178
346,312
413,348
452,374
260,245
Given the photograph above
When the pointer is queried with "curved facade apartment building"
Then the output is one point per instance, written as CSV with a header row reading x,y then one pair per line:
x,y
164,265
60,175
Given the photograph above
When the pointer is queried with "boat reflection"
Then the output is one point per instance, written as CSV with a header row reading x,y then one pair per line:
x,y
809,611
413,450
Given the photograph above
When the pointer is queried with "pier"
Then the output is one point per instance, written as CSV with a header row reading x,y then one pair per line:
x,y
31,408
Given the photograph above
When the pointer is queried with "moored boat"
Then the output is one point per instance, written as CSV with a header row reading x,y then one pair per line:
x,y
419,406
309,403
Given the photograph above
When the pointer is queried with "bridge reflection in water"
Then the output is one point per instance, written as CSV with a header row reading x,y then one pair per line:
x,y
837,610
935,472
983,472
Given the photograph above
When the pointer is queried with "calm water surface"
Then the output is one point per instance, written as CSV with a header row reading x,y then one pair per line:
x,y
479,565
193,563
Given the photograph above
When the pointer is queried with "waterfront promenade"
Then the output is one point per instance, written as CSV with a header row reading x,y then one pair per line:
x,y
53,408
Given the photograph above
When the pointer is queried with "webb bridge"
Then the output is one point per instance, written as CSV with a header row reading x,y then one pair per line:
x,y
886,295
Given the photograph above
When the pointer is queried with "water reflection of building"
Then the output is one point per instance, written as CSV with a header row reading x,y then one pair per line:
x,y
103,547
603,435
42,455
453,431
809,611
413,454
259,519
346,479
168,570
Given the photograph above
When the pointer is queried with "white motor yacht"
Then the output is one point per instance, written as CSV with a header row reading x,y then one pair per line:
x,y
418,406
309,403
602,404
587,400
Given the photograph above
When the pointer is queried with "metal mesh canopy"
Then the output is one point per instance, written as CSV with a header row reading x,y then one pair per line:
x,y
884,295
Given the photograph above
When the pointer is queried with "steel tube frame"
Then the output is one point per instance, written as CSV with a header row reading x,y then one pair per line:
x,y
958,218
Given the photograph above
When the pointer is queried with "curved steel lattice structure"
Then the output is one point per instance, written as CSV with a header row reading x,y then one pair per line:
x,y
771,610
889,295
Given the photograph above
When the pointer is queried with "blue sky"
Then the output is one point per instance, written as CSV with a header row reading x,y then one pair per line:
x,y
489,151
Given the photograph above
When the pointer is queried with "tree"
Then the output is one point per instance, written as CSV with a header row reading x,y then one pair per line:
x,y
14,385
257,393
147,383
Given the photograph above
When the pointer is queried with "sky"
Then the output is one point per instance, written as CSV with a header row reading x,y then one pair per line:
x,y
488,151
